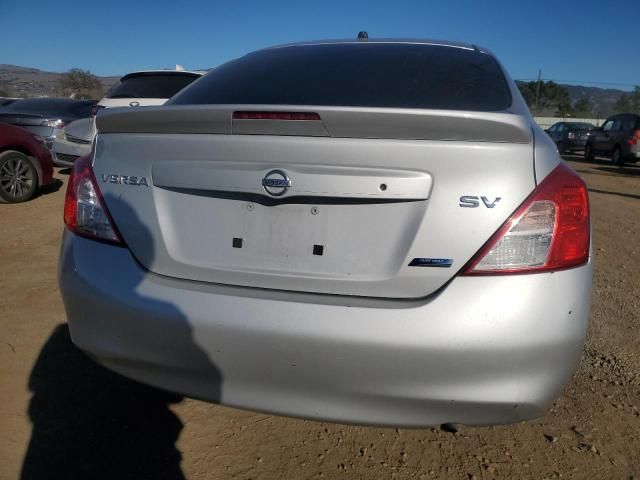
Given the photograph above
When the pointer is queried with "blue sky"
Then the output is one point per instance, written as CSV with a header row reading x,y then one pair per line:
x,y
573,41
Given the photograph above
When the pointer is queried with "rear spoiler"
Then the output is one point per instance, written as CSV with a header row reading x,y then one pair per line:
x,y
338,122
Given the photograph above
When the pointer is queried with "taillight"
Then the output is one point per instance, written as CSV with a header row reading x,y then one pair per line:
x,y
276,116
52,123
549,231
635,138
84,211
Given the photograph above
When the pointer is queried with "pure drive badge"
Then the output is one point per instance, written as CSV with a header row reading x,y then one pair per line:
x,y
431,262
124,179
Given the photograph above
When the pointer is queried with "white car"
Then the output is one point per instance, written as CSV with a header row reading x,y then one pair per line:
x,y
73,141
137,89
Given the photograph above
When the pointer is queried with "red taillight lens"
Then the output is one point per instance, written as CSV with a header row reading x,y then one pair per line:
x,y
275,116
84,210
549,231
635,138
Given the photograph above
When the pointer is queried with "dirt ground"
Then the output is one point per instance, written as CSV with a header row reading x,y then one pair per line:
x,y
62,416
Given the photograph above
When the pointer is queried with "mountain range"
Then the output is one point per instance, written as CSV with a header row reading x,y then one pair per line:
x,y
602,99
28,82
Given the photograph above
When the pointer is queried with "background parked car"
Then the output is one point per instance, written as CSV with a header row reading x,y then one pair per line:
x,y
25,164
73,141
145,88
45,116
6,101
137,89
570,136
618,138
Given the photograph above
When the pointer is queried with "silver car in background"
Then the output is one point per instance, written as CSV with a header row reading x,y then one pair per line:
x,y
73,141
370,232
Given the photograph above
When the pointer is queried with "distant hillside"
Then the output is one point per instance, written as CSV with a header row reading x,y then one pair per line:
x,y
602,99
32,82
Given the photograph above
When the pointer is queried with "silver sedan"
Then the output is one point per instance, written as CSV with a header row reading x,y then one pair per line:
x,y
366,231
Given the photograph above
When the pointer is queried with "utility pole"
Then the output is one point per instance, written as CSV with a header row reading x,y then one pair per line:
x,y
538,90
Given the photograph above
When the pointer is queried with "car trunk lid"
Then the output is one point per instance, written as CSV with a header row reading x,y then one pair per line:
x,y
364,202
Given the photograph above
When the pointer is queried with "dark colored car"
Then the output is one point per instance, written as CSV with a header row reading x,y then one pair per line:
x,y
569,136
6,101
25,164
618,139
45,116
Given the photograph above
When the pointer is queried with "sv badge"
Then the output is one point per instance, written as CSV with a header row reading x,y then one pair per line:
x,y
471,201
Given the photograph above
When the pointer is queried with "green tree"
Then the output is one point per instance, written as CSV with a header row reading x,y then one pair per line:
x,y
553,99
77,83
628,102
583,108
5,91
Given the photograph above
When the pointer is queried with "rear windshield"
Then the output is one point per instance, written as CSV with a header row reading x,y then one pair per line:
x,y
151,86
385,75
583,126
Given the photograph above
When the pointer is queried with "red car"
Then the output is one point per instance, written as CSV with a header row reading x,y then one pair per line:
x,y
25,164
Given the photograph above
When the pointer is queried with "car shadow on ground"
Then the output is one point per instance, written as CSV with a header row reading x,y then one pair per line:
x,y
91,423
618,194
604,165
631,170
579,158
53,187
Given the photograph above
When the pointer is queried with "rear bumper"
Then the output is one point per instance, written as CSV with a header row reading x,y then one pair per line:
x,y
573,144
64,160
485,350
65,153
